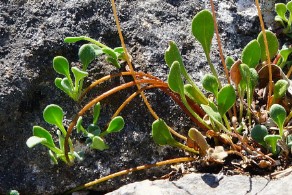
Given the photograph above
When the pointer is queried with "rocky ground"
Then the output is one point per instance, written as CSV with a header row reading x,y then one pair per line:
x,y
32,33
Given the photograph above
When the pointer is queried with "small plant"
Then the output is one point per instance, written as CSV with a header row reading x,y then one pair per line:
x,y
54,115
93,132
87,53
241,117
284,18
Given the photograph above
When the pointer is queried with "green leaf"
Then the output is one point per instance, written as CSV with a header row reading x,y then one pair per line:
x,y
192,93
280,88
113,61
272,141
251,54
61,66
254,78
116,125
96,113
213,114
34,140
43,133
110,52
278,115
53,114
119,50
78,74
161,134
53,157
172,54
73,39
58,83
66,86
281,10
229,61
279,19
86,55
258,133
203,29
79,126
284,52
98,143
210,83
94,129
245,77
289,6
175,81
273,44
226,99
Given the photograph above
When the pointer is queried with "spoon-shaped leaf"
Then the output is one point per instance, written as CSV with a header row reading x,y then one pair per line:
x,y
58,83
289,6
116,125
273,44
272,141
284,52
226,99
281,10
172,54
198,138
86,55
210,83
278,115
43,133
34,140
66,85
251,54
175,81
280,88
193,94
98,143
258,134
53,114
61,66
213,114
161,134
78,74
96,112
203,29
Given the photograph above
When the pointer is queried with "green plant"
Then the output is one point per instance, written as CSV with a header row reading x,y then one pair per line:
x,y
93,133
87,53
216,115
53,114
281,17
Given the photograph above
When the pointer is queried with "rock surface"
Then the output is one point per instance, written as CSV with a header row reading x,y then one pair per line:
x,y
201,184
32,33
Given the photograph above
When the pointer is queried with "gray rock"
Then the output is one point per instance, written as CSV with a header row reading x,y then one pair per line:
x,y
32,33
201,184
